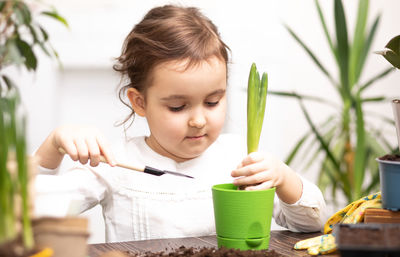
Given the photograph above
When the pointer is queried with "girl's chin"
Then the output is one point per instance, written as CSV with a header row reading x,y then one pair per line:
x,y
187,156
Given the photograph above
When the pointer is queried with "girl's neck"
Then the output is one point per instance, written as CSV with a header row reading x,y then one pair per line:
x,y
156,147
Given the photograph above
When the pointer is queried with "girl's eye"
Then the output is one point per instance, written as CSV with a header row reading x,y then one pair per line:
x,y
211,104
176,109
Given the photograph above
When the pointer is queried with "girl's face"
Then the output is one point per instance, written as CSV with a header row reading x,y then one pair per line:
x,y
185,109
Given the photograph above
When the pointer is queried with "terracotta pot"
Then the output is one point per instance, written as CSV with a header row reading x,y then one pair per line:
x,y
66,236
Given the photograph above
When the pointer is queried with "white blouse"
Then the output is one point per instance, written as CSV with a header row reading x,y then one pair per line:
x,y
138,206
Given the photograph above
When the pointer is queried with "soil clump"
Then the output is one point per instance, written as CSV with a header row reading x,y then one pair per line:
x,y
208,252
390,157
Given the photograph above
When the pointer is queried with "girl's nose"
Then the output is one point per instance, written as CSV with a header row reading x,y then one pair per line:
x,y
198,120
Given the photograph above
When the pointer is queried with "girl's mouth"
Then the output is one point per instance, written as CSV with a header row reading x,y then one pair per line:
x,y
196,137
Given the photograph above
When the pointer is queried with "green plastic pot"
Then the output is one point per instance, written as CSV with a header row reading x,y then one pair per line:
x,y
242,218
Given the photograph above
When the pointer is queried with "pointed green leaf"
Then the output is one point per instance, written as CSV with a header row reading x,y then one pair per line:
x,y
394,44
311,54
359,162
57,17
375,78
304,97
324,145
391,57
33,34
358,41
296,148
392,52
328,37
10,85
44,34
26,51
366,49
13,55
342,45
374,99
26,13
20,19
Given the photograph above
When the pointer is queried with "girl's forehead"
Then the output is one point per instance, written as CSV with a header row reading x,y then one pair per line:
x,y
212,68
176,75
188,65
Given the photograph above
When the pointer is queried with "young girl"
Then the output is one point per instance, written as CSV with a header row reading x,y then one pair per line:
x,y
175,65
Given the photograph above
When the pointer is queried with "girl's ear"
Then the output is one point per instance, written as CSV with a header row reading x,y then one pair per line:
x,y
137,101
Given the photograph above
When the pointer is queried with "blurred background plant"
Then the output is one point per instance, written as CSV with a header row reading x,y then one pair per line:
x,y
392,52
21,37
346,142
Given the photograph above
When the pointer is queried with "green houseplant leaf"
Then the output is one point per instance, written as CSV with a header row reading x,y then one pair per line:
x,y
392,52
344,143
20,34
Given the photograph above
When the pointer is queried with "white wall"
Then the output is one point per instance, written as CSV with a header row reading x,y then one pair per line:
x,y
84,90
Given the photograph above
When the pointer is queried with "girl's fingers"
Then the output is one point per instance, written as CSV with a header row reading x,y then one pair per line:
x,y
70,148
106,151
263,186
252,158
83,152
249,170
94,151
83,144
258,178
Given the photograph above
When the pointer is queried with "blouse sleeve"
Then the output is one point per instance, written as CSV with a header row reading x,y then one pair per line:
x,y
71,193
306,215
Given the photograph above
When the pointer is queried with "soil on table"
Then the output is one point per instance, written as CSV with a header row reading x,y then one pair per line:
x,y
208,252
390,157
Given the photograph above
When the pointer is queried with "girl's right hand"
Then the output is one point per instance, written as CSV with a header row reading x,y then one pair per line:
x,y
81,143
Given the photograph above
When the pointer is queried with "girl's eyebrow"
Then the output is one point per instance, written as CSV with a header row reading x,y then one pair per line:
x,y
173,97
179,97
217,92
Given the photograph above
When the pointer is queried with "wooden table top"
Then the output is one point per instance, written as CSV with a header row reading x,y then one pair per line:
x,y
281,241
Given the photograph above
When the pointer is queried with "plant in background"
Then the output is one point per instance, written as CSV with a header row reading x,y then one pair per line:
x,y
392,55
392,52
20,35
347,143
256,99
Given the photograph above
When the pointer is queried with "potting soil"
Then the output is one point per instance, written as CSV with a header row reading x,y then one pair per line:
x,y
390,157
208,252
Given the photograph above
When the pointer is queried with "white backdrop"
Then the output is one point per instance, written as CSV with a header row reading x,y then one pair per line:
x,y
84,91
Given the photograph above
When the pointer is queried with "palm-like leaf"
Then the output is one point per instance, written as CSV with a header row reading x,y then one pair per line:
x,y
348,148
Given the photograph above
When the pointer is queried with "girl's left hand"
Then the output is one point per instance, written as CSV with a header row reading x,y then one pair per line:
x,y
260,171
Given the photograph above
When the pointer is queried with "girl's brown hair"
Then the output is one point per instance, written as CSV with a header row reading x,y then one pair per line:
x,y
166,33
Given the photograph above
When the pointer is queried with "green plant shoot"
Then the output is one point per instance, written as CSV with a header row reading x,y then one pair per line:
x,y
256,100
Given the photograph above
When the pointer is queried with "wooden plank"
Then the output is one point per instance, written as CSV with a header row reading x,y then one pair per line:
x,y
169,245
212,240
382,212
281,241
375,215
95,250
